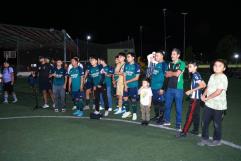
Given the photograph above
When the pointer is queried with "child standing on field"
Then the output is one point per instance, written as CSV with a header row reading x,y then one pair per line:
x,y
193,113
215,104
145,93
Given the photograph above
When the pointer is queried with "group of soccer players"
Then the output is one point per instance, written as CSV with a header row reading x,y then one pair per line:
x,y
161,86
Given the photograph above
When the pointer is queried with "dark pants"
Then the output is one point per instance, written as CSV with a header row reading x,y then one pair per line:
x,y
158,103
193,116
97,92
215,116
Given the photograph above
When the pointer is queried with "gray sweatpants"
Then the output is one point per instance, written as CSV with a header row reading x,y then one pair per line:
x,y
59,96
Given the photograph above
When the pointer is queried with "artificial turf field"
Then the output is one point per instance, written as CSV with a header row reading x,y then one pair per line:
x,y
70,139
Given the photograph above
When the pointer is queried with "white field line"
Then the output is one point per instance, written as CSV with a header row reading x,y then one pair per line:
x,y
228,143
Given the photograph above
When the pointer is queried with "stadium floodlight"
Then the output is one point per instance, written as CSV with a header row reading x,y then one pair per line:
x,y
236,56
88,37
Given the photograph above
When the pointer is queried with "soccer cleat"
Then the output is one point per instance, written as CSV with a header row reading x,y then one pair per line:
x,y
80,114
134,117
106,113
167,124
15,100
126,115
96,112
45,106
74,108
110,109
86,107
119,111
76,112
101,108
5,102
56,110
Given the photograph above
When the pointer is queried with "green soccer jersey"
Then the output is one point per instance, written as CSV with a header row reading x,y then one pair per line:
x,y
59,79
95,74
75,75
158,75
176,82
130,72
108,70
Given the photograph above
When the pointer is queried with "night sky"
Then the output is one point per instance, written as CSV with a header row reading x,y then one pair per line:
x,y
114,21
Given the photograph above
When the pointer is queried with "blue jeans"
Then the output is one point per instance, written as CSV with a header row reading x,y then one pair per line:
x,y
171,95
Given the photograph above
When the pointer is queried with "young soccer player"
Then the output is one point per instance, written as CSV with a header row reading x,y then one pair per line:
x,y
145,101
8,82
99,86
108,72
193,113
76,85
59,76
215,104
157,76
131,77
119,70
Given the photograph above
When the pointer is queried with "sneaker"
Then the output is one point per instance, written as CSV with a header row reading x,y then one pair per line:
x,y
96,112
63,110
110,109
80,114
53,105
45,106
179,128
101,108
126,115
123,109
74,108
167,124
86,107
119,111
16,100
106,113
76,112
56,110
134,117
203,142
214,143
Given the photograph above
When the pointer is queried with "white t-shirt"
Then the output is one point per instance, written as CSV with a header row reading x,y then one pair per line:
x,y
217,81
145,96
71,66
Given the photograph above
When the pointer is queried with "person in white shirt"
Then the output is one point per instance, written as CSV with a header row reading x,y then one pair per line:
x,y
145,101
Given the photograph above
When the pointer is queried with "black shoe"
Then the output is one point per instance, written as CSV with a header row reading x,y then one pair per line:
x,y
194,132
146,123
181,134
154,118
142,122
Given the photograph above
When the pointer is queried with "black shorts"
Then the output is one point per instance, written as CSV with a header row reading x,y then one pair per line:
x,y
8,87
45,85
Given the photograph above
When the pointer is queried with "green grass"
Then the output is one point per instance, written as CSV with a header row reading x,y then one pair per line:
x,y
61,139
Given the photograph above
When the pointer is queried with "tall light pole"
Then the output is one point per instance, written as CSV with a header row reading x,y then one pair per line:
x,y
184,33
164,25
65,48
88,38
236,57
141,31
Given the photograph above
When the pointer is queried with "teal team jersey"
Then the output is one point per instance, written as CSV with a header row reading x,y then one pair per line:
x,y
108,70
158,75
131,71
75,75
95,74
59,79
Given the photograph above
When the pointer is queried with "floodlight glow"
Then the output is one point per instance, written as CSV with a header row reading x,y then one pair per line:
x,y
236,56
88,37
